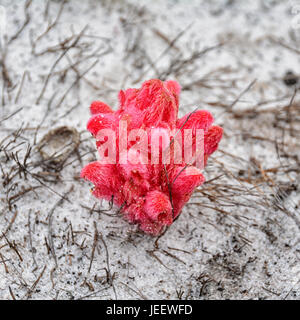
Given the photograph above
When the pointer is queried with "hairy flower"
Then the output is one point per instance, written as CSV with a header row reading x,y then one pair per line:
x,y
151,195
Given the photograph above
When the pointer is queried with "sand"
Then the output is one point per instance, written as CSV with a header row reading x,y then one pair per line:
x,y
238,238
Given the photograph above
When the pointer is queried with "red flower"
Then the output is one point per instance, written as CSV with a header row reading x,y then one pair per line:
x,y
150,195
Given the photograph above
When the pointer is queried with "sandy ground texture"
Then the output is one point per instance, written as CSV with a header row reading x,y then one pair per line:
x,y
238,238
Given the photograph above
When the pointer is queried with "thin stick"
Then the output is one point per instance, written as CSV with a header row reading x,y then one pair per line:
x,y
56,63
50,216
30,240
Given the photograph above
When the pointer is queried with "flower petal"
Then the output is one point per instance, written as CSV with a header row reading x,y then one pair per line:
x,y
211,139
104,177
158,207
99,107
200,119
101,121
184,182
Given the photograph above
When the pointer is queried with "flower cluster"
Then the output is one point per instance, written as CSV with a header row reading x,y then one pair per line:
x,y
150,195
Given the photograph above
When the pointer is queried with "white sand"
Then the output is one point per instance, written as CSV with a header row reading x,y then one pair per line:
x,y
252,251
